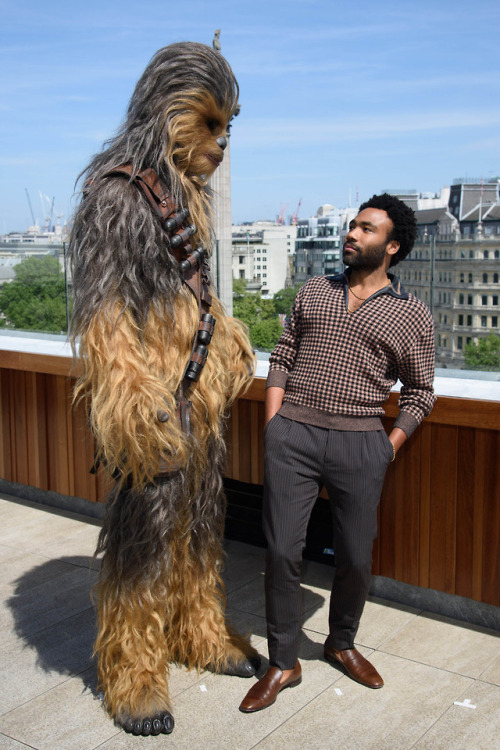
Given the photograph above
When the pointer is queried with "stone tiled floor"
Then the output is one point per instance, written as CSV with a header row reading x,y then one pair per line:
x,y
442,677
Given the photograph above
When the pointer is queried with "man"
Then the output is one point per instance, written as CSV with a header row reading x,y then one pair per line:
x,y
348,339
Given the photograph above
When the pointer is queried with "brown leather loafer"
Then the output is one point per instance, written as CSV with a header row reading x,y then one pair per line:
x,y
265,691
355,665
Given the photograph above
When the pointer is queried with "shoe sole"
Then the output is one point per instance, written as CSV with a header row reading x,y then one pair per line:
x,y
337,663
261,708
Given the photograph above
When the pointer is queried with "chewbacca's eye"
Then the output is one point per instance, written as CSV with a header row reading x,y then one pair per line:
x,y
213,125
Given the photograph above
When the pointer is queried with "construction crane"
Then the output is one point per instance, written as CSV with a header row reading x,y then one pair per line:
x,y
280,220
31,207
295,217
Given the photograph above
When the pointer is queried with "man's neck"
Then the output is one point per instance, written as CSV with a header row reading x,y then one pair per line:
x,y
369,279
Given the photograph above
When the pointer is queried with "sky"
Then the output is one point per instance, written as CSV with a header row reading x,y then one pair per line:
x,y
339,100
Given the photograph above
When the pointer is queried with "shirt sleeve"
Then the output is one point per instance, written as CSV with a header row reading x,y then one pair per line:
x,y
417,376
283,357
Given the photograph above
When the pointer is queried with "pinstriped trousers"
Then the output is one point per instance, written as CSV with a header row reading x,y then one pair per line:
x,y
299,459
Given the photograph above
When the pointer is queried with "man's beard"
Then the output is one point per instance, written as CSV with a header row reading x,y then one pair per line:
x,y
369,260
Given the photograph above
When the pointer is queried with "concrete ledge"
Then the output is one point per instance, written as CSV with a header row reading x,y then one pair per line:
x,y
430,600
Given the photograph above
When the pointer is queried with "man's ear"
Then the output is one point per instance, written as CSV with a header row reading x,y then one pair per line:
x,y
392,247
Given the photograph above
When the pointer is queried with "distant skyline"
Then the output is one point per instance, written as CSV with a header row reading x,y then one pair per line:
x,y
338,100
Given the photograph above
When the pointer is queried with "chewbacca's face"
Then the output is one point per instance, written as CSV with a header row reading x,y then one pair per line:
x,y
199,134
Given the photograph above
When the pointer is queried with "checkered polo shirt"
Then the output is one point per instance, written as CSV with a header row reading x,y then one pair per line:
x,y
337,368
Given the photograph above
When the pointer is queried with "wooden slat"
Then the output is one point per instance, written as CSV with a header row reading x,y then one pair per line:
x,y
489,520
465,511
425,438
57,430
457,411
36,430
443,508
46,363
18,421
6,469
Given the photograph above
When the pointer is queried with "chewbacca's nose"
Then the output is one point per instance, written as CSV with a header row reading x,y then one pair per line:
x,y
221,141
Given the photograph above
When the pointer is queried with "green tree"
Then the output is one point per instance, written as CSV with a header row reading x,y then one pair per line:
x,y
485,355
284,299
36,299
259,314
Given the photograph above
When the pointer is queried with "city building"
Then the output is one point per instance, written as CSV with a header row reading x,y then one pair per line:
x,y
455,267
317,247
263,255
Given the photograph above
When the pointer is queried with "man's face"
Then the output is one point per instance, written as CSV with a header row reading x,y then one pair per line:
x,y
367,240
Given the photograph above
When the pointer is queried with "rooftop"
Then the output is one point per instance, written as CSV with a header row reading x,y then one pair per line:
x,y
442,677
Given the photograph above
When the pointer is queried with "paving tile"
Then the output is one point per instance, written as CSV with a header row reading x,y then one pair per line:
x,y
243,563
492,673
447,644
45,659
7,743
16,564
67,716
347,715
35,608
463,727
252,626
15,513
50,534
380,621
250,597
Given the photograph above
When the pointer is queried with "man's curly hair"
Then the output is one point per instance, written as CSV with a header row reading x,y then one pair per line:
x,y
404,221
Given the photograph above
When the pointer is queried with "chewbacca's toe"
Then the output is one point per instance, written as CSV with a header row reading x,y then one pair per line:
x,y
162,724
243,668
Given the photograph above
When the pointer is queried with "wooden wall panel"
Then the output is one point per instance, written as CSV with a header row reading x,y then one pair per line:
x,y
488,448
466,467
6,442
443,508
424,438
439,517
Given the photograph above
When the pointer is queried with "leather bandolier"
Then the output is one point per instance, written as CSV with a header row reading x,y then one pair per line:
x,y
195,273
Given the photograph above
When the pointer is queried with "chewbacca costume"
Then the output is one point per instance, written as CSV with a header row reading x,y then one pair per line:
x,y
140,321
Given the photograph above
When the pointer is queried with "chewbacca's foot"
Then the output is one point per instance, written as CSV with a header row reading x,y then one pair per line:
x,y
244,668
161,724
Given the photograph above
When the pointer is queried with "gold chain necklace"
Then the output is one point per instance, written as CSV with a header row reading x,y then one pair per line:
x,y
362,299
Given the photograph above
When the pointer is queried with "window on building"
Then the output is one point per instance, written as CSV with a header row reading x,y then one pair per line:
x,y
462,278
460,343
494,299
470,278
484,299
485,278
469,299
469,340
486,254
495,278
460,299
469,320
242,259
484,321
494,321
242,273
497,252
460,320
471,253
